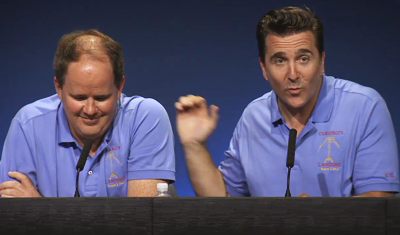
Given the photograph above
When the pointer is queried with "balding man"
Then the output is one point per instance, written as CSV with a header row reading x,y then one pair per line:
x,y
132,137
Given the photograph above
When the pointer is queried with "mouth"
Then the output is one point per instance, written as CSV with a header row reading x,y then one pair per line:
x,y
294,91
90,121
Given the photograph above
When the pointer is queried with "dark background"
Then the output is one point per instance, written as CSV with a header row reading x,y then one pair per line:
x,y
208,48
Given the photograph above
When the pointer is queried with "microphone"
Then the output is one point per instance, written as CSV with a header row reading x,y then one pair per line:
x,y
81,163
290,157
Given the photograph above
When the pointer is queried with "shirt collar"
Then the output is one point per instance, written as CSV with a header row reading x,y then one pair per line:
x,y
324,105
275,113
64,133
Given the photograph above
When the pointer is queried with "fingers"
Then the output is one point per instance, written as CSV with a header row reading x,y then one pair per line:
x,y
190,101
303,195
9,184
15,188
21,177
214,113
10,192
9,188
6,196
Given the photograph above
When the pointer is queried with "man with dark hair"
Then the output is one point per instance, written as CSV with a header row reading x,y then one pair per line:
x,y
346,145
132,148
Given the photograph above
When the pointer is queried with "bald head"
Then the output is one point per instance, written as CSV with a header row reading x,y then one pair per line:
x,y
92,47
94,44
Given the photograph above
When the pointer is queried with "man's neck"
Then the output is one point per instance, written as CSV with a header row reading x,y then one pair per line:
x,y
297,118
96,144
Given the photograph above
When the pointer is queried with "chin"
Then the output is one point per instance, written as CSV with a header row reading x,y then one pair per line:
x,y
295,104
90,134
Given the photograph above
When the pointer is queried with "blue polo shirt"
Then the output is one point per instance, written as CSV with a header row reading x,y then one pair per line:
x,y
138,145
347,147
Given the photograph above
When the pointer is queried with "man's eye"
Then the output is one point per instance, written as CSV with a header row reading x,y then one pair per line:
x,y
304,59
79,98
101,98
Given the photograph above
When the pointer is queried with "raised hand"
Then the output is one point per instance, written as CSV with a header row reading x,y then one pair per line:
x,y
195,121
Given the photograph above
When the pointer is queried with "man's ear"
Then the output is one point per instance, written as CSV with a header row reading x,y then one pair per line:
x,y
323,63
262,65
121,87
58,88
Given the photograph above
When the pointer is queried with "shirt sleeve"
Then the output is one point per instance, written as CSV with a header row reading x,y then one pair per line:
x,y
232,170
17,154
152,153
376,166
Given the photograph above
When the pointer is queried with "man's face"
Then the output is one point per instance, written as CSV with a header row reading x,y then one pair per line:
x,y
90,97
294,69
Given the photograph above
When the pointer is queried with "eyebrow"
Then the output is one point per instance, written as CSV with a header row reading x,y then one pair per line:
x,y
104,96
277,55
77,95
282,54
303,51
94,96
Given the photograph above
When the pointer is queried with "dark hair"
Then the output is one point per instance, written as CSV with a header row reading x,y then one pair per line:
x,y
287,21
74,44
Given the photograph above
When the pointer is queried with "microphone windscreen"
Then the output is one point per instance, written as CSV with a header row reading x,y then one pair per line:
x,y
84,154
291,148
